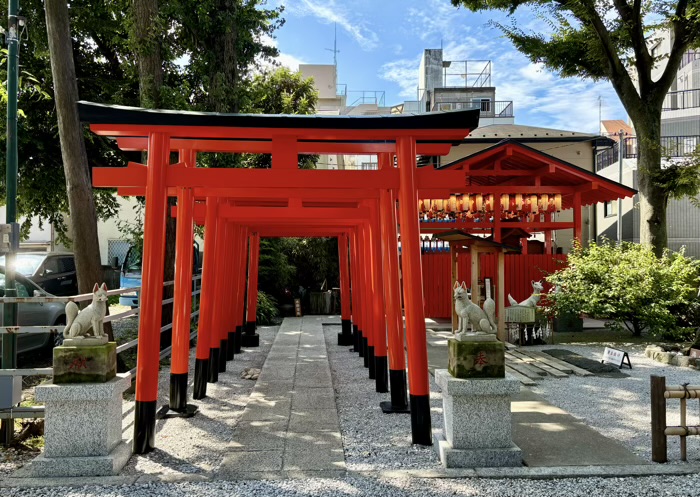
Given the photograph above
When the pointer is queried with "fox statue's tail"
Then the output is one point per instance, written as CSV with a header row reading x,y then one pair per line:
x,y
512,300
71,313
490,310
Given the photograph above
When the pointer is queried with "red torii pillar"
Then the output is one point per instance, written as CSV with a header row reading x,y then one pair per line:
x,y
250,338
215,297
367,311
392,291
345,336
206,301
219,296
182,303
421,431
356,294
148,354
236,256
242,275
380,350
230,285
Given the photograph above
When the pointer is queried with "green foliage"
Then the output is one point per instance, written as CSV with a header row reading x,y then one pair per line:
x,y
316,261
275,271
266,313
627,285
613,41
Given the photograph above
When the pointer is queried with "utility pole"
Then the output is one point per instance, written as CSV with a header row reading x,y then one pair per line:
x,y
335,45
9,340
621,156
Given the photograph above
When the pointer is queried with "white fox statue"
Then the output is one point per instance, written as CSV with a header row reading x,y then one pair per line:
x,y
482,320
80,322
533,299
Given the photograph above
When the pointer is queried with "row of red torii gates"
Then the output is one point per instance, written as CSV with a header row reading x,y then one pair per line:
x,y
239,206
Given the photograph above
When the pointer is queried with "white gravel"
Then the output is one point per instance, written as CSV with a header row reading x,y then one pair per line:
x,y
373,440
354,486
619,408
198,444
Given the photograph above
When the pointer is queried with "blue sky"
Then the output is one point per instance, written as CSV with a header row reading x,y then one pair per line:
x,y
381,41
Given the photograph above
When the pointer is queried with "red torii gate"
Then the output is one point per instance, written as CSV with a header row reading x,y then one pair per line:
x,y
281,196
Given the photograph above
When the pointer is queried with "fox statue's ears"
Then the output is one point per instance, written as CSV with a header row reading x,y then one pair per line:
x,y
464,285
456,285
104,286
95,288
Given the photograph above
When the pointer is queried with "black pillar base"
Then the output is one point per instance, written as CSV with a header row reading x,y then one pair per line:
x,y
230,345
222,356
359,346
237,341
397,386
372,366
144,427
421,427
166,413
213,366
345,335
178,391
201,375
365,352
382,373
355,339
250,340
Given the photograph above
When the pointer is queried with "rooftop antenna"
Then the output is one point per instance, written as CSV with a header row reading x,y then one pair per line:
x,y
335,45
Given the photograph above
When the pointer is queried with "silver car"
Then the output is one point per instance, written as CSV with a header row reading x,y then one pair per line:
x,y
34,314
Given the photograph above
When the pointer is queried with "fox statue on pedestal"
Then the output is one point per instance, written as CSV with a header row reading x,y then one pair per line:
x,y
482,320
78,322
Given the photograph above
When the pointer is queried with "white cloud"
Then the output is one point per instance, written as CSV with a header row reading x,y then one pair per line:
x,y
330,12
404,73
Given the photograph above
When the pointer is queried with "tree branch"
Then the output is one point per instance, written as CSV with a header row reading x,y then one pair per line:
x,y
660,88
632,18
619,76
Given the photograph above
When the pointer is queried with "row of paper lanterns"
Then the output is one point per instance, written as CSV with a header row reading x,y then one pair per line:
x,y
485,203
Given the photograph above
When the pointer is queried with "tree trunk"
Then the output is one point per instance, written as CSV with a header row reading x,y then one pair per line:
x,y
81,202
653,199
149,53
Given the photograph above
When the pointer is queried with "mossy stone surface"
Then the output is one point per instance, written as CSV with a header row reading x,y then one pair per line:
x,y
96,364
476,359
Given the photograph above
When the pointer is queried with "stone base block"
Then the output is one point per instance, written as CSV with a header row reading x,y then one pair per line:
x,y
85,364
109,465
476,458
84,419
471,359
250,340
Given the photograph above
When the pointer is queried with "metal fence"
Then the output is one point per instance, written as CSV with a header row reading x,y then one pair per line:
x,y
38,411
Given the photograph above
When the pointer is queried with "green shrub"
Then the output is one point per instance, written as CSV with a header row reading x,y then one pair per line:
x,y
629,286
267,311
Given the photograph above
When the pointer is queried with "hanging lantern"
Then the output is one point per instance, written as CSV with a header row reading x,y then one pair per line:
x,y
518,201
453,203
488,203
505,202
533,204
557,202
478,202
544,202
421,206
436,205
466,203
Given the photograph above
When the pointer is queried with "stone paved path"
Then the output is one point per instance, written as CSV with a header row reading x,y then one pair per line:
x,y
290,425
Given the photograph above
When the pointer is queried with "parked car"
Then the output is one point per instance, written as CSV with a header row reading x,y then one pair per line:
x,y
34,314
54,272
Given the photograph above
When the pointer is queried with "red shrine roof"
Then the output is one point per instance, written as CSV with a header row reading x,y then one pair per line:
x,y
510,165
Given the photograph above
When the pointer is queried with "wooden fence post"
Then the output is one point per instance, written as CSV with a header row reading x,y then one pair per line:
x,y
658,419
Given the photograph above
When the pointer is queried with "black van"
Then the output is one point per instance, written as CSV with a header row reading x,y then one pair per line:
x,y
54,272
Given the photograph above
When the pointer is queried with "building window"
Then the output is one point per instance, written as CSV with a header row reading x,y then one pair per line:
x,y
610,208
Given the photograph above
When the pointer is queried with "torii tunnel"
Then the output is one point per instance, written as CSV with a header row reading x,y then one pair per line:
x,y
363,209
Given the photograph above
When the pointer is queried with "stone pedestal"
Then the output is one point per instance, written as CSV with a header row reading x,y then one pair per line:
x,y
80,360
476,355
477,422
83,430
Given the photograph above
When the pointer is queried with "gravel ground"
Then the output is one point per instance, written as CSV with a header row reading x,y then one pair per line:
x,y
354,486
198,444
373,440
619,408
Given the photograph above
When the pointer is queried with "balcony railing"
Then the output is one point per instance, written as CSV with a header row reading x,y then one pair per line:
x,y
671,146
488,108
685,99
360,97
